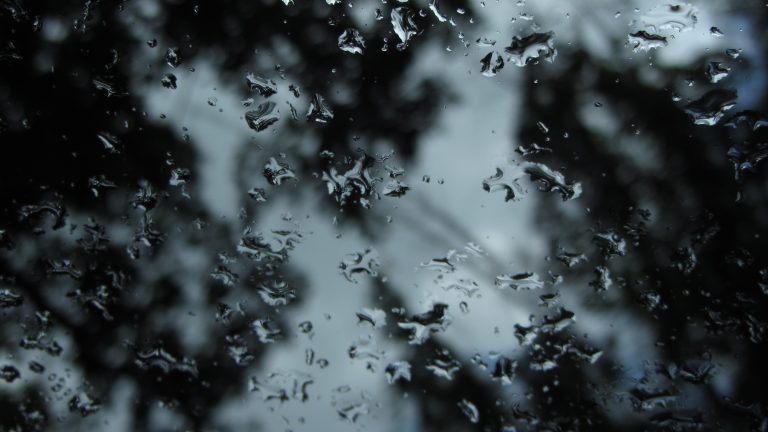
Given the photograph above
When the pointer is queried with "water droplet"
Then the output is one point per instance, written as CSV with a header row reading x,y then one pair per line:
x,y
733,53
602,281
224,275
179,176
173,57
352,413
423,325
528,50
435,8
166,363
684,260
399,370
277,172
359,263
470,410
571,259
711,107
319,110
267,330
507,180
504,370
351,41
404,24
98,183
355,185
467,287
256,247
443,365
395,188
258,194
282,386
520,281
643,41
716,71
31,211
305,326
36,367
276,292
85,404
169,81
752,119
9,373
262,117
10,298
375,317
610,243
556,323
491,64
365,349
678,17
485,42
263,86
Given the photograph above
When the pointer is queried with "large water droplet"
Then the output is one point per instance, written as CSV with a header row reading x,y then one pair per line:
x,y
711,107
262,117
400,370
404,24
277,172
520,281
351,41
319,110
421,326
528,50
263,86
643,41
85,404
491,64
677,17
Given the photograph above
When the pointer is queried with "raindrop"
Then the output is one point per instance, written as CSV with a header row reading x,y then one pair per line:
x,y
375,317
85,404
359,263
643,41
258,194
173,57
678,17
319,111
395,188
282,386
610,243
470,410
491,64
423,325
400,370
711,107
404,24
266,330
716,71
10,298
351,41
520,281
263,86
169,81
528,50
9,373
262,117
277,172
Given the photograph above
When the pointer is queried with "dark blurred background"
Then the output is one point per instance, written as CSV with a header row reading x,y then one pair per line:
x,y
383,215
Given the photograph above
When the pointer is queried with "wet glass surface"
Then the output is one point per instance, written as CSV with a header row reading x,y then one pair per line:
x,y
383,215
